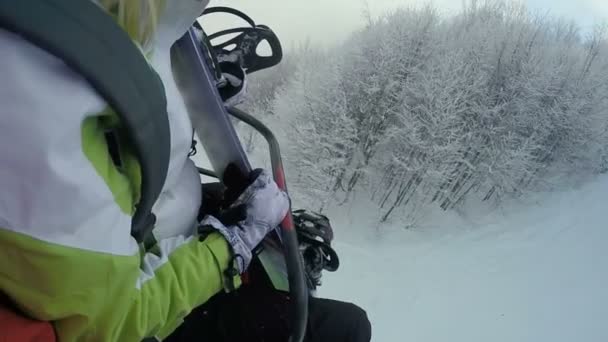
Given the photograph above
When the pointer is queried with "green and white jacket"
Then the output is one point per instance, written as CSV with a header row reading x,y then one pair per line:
x,y
66,253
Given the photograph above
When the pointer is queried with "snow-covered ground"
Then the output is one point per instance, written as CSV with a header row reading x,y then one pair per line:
x,y
532,271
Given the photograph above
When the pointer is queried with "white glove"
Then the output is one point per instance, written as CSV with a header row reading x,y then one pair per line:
x,y
266,205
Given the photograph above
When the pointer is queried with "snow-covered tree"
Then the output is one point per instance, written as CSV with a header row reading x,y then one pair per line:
x,y
418,108
318,135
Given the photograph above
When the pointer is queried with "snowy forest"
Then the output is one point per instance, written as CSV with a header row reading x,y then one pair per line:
x,y
423,110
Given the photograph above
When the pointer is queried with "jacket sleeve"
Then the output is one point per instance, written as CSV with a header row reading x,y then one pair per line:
x,y
66,253
102,297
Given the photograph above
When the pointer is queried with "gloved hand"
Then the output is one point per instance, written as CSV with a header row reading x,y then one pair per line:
x,y
259,206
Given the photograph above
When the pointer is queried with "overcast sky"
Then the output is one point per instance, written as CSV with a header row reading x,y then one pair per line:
x,y
327,21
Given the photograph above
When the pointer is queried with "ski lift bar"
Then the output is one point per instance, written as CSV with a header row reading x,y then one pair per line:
x,y
207,172
295,268
273,144
194,75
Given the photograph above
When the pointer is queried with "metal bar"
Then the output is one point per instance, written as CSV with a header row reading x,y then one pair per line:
x,y
295,266
194,77
207,173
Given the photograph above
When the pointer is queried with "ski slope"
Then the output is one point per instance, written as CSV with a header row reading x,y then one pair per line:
x,y
532,271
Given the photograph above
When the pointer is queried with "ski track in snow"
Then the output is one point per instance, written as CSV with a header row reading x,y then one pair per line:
x,y
532,271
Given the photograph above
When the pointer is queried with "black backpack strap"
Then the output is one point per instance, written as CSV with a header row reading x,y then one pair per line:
x,y
91,43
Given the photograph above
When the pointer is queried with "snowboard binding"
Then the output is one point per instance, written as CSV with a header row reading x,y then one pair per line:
x,y
315,235
231,59
242,48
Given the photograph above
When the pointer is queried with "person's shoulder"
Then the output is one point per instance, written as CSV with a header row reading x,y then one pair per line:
x,y
33,77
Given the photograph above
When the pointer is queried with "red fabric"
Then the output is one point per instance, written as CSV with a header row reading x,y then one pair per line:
x,y
17,328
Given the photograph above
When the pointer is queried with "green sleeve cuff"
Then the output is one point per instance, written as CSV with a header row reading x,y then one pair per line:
x,y
220,249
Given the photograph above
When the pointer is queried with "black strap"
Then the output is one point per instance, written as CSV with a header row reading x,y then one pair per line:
x,y
89,41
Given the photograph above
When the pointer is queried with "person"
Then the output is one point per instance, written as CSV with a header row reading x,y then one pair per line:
x,y
258,311
69,189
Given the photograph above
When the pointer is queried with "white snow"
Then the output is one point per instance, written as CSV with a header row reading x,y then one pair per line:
x,y
531,271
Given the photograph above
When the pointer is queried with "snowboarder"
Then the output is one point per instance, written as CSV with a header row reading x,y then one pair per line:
x,y
71,183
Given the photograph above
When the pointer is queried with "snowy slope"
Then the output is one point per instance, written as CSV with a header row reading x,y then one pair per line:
x,y
535,271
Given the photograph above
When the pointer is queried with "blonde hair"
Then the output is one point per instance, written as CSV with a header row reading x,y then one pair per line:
x,y
139,18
